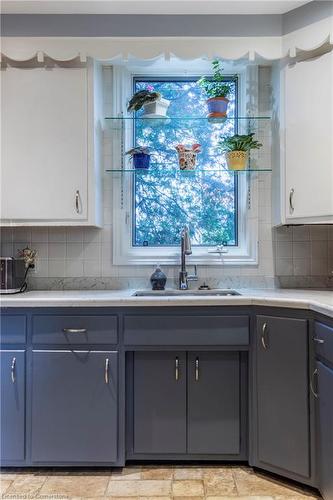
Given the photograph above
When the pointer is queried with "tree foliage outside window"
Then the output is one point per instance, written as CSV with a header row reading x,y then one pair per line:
x,y
165,199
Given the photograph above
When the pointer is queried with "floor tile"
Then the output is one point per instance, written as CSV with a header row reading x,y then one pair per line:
x,y
219,482
149,487
76,485
4,485
26,484
249,483
188,473
188,488
126,473
157,473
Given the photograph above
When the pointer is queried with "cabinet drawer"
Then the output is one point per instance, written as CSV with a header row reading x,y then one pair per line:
x,y
74,330
324,341
186,330
13,329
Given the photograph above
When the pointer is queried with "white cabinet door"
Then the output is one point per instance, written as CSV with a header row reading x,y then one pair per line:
x,y
44,159
309,144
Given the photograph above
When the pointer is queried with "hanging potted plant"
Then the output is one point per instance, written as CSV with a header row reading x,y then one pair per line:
x,y
141,157
236,149
154,105
217,91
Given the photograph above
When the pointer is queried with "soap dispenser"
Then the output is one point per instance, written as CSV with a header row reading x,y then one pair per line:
x,y
158,279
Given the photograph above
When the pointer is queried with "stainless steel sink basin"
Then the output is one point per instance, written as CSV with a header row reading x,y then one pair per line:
x,y
220,292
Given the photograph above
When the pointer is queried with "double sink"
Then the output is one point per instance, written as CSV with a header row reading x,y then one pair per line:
x,y
215,292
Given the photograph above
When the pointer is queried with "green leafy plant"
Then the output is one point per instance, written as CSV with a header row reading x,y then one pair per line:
x,y
215,86
239,143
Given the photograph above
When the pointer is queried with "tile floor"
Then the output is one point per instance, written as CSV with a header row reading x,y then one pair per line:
x,y
149,483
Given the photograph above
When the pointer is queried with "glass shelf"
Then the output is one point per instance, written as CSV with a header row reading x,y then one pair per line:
x,y
187,118
174,172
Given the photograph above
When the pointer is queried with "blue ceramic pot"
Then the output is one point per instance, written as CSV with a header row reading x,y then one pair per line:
x,y
141,160
217,107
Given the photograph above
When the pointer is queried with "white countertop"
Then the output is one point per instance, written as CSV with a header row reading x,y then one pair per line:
x,y
315,300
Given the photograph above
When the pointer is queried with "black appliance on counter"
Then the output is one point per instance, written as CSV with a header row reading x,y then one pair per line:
x,y
13,275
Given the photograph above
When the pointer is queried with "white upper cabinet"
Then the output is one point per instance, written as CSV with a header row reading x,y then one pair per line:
x,y
307,193
49,136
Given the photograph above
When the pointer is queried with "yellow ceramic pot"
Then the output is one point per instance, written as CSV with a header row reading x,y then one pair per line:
x,y
237,160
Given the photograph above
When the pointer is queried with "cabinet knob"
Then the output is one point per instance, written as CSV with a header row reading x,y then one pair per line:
x,y
291,200
318,341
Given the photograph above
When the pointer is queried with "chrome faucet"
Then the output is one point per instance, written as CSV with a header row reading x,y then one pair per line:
x,y
185,246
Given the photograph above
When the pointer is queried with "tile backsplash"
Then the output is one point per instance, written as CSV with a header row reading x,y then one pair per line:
x,y
81,258
304,256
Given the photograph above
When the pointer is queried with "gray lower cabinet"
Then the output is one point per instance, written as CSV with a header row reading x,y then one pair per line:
x,y
214,403
325,400
12,399
74,406
159,402
186,403
282,396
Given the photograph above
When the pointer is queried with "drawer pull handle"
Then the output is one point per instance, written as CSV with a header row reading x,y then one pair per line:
x,y
196,369
318,341
315,374
13,370
177,369
263,339
74,330
106,371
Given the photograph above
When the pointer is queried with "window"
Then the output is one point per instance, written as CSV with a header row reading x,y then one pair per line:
x,y
165,199
151,208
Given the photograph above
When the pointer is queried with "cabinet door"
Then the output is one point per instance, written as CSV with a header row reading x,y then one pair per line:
x,y
44,159
325,390
309,130
74,406
282,395
214,403
159,402
12,406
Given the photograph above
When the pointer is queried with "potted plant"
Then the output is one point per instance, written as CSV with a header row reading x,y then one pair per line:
x,y
217,91
187,156
237,149
140,155
154,105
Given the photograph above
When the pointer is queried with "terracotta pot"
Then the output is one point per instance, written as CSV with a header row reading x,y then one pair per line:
x,y
237,160
217,107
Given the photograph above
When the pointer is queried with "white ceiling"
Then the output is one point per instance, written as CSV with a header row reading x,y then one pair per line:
x,y
148,6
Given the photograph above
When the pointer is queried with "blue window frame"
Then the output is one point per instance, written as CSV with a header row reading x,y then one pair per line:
x,y
164,198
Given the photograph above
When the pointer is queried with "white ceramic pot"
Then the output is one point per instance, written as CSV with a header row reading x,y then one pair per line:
x,y
156,109
187,160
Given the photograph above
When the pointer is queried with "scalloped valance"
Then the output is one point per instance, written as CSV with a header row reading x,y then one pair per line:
x,y
300,43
